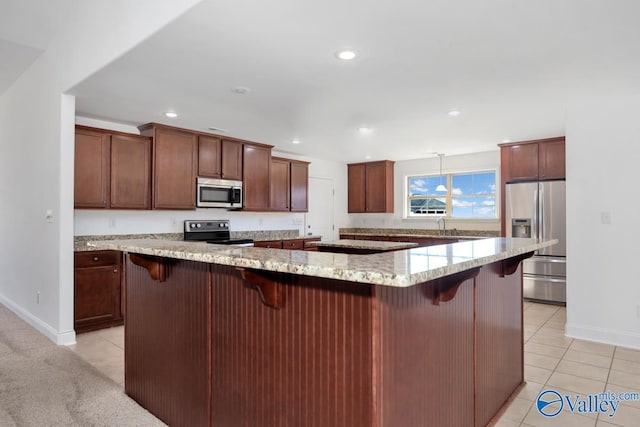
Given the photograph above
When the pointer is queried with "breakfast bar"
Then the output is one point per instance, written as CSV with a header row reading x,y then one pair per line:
x,y
237,336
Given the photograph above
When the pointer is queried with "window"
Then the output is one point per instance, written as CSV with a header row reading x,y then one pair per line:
x,y
468,195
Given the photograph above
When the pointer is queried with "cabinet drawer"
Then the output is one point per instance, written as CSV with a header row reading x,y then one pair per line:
x,y
276,244
293,244
96,258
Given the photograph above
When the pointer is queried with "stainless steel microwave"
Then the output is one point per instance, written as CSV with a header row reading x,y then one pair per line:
x,y
218,193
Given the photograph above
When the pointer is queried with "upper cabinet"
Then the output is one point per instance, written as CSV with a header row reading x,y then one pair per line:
x,y
256,177
370,187
112,169
299,186
175,163
92,168
533,160
289,185
219,158
130,172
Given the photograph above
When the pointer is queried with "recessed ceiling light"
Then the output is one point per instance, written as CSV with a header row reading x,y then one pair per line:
x,y
454,113
241,90
365,130
504,141
346,54
295,141
171,114
367,157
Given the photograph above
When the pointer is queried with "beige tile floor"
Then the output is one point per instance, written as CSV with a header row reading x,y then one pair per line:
x,y
552,361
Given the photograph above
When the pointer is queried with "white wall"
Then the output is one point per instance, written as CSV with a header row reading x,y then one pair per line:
x,y
450,164
603,151
36,155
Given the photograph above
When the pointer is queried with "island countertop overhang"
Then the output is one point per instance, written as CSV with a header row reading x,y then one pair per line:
x,y
401,268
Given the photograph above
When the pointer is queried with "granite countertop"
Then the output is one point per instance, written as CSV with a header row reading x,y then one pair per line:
x,y
365,244
400,268
413,236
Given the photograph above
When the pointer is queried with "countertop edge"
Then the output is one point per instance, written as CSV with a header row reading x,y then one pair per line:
x,y
315,264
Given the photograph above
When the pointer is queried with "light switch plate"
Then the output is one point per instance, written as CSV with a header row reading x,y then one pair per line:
x,y
48,215
605,217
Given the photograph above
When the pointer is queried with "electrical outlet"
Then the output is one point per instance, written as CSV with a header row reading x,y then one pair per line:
x,y
112,222
605,217
260,221
37,297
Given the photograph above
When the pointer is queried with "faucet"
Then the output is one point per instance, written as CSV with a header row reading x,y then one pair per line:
x,y
440,220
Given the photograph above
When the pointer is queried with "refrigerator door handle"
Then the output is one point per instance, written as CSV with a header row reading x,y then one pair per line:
x,y
541,210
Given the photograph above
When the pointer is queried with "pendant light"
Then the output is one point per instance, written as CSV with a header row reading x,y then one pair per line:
x,y
441,186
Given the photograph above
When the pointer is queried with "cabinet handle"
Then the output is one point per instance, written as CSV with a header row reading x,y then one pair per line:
x,y
115,270
95,258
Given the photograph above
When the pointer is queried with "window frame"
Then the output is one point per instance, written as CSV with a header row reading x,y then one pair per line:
x,y
448,178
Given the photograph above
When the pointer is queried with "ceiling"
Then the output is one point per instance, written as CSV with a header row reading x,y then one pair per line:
x,y
510,68
26,29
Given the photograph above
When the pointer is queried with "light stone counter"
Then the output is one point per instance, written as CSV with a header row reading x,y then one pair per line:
x,y
401,268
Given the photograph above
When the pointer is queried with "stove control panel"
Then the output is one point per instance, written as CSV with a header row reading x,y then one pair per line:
x,y
204,226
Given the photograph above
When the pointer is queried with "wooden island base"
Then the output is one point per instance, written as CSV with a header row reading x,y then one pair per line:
x,y
203,346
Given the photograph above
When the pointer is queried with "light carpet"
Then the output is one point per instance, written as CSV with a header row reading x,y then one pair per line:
x,y
42,384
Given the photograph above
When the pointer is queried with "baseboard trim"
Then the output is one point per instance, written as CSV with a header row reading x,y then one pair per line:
x,y
604,336
60,338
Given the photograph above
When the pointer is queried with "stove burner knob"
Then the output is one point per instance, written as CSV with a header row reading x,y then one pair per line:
x,y
198,225
192,226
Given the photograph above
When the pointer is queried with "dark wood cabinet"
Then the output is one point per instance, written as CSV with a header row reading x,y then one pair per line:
x,y
112,169
130,172
371,187
552,159
175,158
92,168
533,160
97,290
289,185
298,244
275,244
299,182
280,184
218,158
256,177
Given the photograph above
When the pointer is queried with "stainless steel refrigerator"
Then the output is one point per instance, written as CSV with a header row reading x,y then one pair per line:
x,y
538,210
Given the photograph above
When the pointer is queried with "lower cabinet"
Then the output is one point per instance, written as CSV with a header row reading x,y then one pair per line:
x,y
97,290
299,244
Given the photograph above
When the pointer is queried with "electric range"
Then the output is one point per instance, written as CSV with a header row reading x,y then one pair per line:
x,y
212,231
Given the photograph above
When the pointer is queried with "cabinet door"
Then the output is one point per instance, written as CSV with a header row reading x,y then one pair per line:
x,y
256,175
231,160
523,162
356,181
379,187
280,184
299,187
91,169
209,158
174,176
552,160
97,295
293,244
130,172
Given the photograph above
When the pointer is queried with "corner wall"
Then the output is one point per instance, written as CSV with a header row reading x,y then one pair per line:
x,y
36,155
603,150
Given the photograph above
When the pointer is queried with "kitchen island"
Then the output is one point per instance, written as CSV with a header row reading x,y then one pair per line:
x,y
270,337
